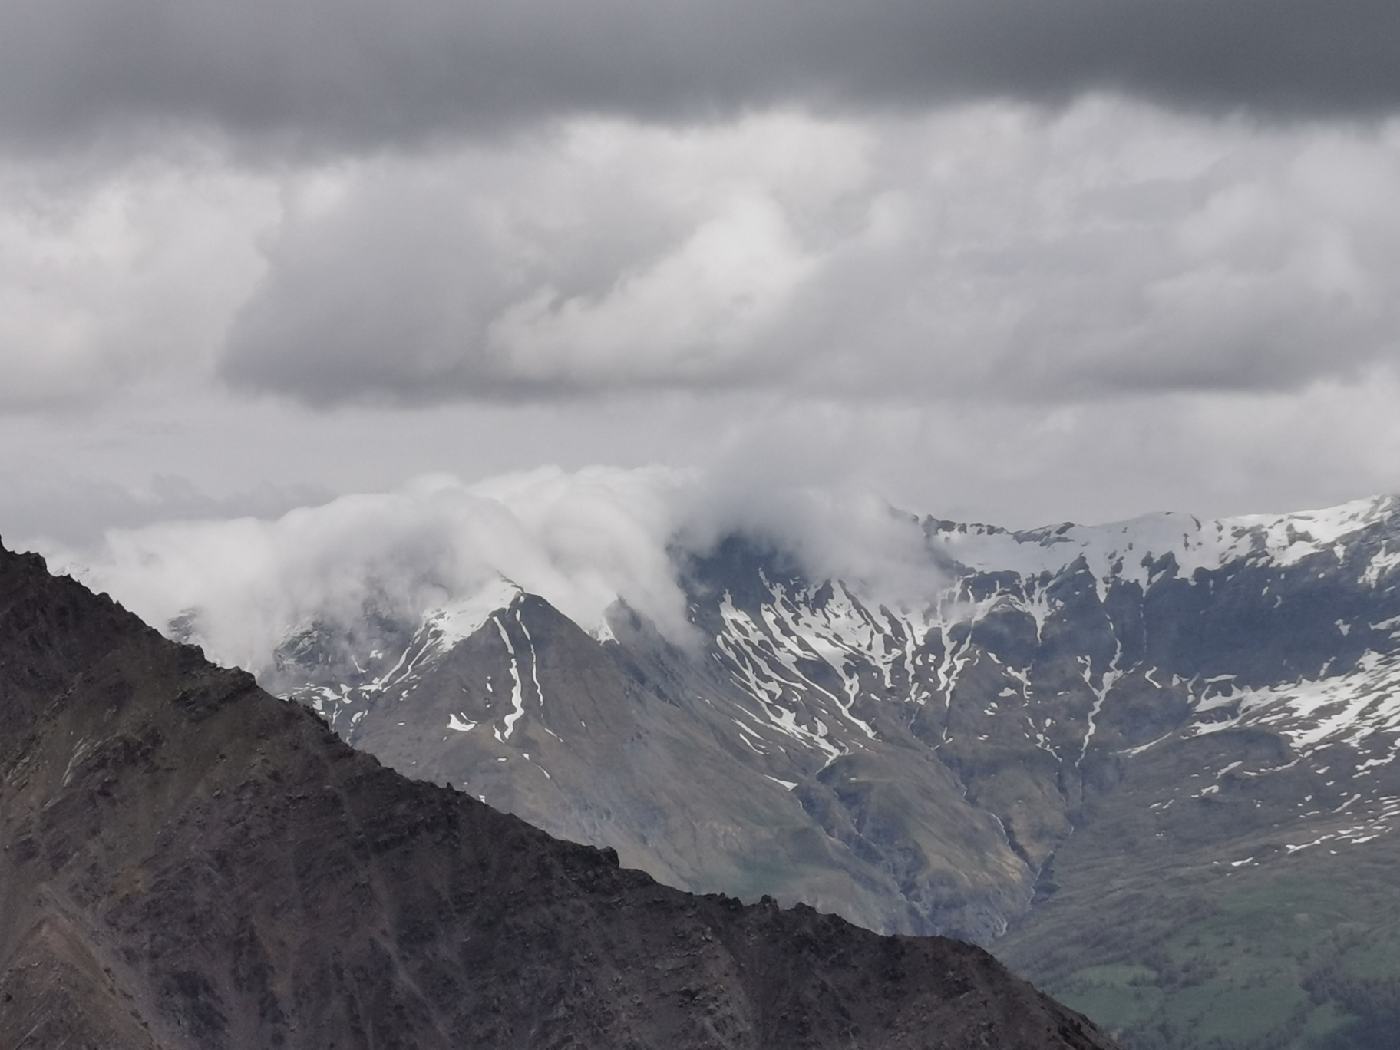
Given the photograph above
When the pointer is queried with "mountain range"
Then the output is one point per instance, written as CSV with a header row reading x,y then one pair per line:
x,y
1148,763
188,862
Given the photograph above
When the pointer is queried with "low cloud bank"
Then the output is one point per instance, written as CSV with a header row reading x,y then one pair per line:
x,y
581,540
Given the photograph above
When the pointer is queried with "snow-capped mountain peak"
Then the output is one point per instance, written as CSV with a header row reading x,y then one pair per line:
x,y
459,619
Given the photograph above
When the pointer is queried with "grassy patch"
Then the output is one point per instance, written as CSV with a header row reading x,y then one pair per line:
x,y
1119,997
1298,957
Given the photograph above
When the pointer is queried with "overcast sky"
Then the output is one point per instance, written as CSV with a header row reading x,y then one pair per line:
x,y
1007,260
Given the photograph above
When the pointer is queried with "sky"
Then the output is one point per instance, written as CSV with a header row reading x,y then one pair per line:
x,y
999,260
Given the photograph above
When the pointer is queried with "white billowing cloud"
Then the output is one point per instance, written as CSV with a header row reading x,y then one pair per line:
x,y
801,479
697,314
256,581
988,251
991,252
602,257
582,540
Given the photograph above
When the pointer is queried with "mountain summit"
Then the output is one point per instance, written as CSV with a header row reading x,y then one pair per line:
x,y
188,862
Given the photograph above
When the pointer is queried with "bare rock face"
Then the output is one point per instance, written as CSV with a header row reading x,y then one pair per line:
x,y
187,862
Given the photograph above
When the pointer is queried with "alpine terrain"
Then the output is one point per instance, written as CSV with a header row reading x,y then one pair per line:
x,y
187,862
1151,764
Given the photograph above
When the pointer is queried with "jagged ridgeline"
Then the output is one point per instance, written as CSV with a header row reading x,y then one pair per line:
x,y
1149,763
187,862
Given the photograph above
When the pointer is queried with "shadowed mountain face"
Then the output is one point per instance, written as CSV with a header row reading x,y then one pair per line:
x,y
1150,763
187,862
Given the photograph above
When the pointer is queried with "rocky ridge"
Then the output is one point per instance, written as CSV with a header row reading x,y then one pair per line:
x,y
186,862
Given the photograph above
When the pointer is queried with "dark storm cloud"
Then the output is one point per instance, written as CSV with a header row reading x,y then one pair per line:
x,y
350,73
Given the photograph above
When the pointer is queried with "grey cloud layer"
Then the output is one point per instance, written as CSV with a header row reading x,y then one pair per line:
x,y
982,251
542,231
988,251
1014,464
109,279
57,507
350,73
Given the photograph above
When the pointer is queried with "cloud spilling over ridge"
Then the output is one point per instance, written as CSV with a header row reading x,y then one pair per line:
x,y
581,540
357,74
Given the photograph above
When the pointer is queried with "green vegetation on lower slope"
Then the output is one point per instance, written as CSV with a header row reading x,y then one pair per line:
x,y
1303,954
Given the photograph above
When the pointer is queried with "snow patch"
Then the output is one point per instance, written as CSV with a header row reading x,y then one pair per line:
x,y
460,619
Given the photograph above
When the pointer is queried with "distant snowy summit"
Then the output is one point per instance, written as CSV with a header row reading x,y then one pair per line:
x,y
1131,550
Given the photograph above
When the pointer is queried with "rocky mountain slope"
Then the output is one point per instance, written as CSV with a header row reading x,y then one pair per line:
x,y
1095,748
188,862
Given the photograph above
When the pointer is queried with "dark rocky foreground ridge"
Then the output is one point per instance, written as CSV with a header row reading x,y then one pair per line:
x,y
187,862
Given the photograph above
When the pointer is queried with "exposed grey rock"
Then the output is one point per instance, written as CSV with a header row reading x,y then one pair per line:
x,y
187,862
